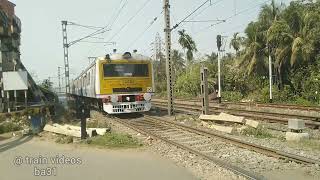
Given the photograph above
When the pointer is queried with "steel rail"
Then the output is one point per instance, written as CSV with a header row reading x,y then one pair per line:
x,y
273,117
257,104
243,144
235,169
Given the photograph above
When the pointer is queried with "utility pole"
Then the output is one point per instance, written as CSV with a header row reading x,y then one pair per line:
x,y
59,77
167,30
270,76
66,55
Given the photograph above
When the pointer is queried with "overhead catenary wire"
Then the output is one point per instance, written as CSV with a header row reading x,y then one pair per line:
x,y
103,29
84,26
129,20
145,30
194,11
204,9
118,13
205,21
99,42
232,16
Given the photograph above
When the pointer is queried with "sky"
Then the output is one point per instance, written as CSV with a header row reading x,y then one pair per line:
x,y
41,39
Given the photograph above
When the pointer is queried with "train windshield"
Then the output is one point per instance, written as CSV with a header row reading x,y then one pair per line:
x,y
125,70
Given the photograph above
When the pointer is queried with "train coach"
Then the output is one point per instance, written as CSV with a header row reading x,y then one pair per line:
x,y
117,83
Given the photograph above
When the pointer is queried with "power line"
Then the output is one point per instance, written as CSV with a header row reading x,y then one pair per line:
x,y
130,19
101,30
89,36
206,8
245,10
145,30
230,17
99,42
192,21
118,13
84,26
175,26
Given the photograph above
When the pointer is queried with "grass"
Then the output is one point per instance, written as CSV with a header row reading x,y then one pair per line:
x,y
259,132
9,127
114,140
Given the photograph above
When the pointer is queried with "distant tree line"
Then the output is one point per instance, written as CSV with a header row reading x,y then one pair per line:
x,y
290,34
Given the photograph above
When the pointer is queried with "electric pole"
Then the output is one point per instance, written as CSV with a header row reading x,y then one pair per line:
x,y
59,79
167,30
66,55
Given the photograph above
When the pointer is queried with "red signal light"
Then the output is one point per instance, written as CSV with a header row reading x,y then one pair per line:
x,y
139,98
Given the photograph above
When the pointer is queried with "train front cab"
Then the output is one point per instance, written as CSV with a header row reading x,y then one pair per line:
x,y
126,86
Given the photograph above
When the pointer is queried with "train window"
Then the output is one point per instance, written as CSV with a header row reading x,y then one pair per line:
x,y
126,70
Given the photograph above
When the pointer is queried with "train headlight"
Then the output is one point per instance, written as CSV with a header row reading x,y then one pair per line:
x,y
114,98
147,96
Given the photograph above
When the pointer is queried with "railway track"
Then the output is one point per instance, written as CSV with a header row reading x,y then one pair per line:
x,y
311,121
273,105
193,140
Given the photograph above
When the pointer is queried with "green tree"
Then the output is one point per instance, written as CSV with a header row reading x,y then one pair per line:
x,y
254,52
187,43
177,62
47,84
236,42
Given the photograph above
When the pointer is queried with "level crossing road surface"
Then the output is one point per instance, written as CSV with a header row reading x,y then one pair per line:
x,y
30,158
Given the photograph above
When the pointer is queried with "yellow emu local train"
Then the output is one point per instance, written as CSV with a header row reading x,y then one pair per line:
x,y
117,83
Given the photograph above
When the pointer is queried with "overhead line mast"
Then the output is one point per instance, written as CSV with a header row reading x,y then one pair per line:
x,y
66,55
167,30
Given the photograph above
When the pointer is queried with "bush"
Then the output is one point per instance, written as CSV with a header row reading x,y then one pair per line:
x,y
189,82
9,127
231,96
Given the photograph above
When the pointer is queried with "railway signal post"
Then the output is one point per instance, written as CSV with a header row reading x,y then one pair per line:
x,y
219,44
167,30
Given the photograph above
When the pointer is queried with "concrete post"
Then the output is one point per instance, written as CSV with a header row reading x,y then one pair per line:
x,y
270,78
204,90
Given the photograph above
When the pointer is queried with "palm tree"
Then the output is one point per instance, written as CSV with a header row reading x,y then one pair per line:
x,y
188,44
212,58
236,42
253,58
295,39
